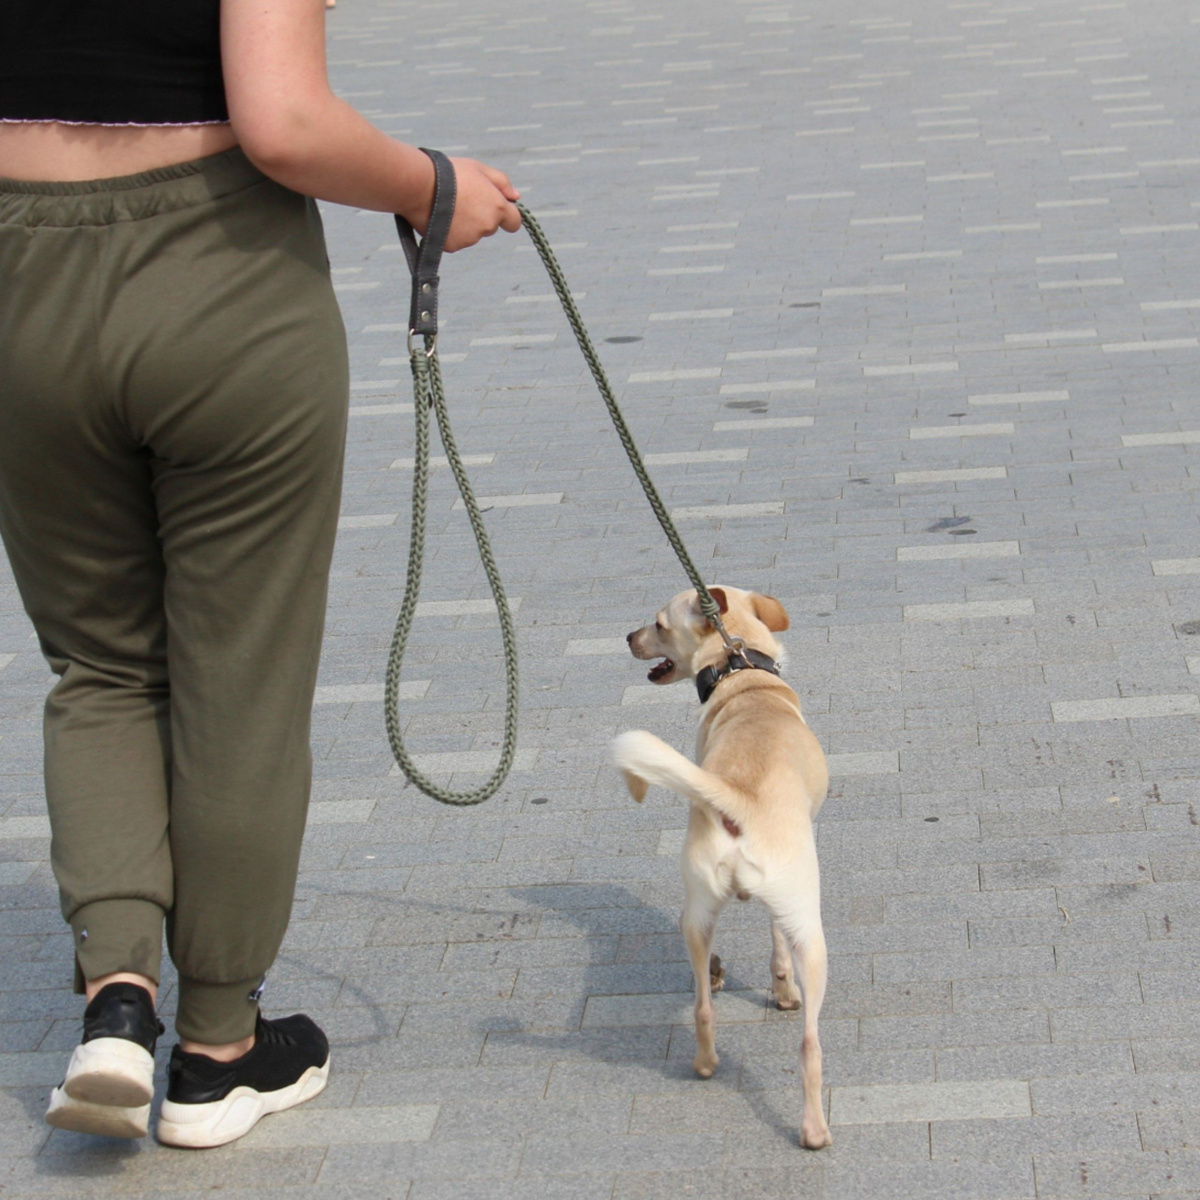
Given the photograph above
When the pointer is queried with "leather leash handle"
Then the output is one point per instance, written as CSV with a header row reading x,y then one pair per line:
x,y
425,257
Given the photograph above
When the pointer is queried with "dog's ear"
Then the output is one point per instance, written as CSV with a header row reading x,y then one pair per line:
x,y
770,612
718,594
636,784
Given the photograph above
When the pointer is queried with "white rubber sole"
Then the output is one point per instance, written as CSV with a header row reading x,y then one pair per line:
x,y
105,1120
201,1126
113,1071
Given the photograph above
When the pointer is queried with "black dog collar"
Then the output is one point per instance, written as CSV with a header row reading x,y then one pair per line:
x,y
741,660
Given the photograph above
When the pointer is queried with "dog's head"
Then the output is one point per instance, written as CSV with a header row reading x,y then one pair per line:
x,y
685,642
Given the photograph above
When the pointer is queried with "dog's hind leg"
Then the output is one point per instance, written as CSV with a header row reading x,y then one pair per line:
x,y
698,924
812,969
783,980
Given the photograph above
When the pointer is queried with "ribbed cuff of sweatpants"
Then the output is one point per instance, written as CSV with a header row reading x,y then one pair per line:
x,y
216,1013
117,935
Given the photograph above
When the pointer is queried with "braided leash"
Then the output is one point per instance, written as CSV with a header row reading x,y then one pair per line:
x,y
428,393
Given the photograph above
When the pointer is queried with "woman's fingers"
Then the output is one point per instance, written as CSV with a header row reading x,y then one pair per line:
x,y
484,204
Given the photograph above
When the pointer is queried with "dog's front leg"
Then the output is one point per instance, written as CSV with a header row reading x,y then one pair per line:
x,y
698,930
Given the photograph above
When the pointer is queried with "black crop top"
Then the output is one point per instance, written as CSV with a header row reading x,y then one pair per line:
x,y
112,62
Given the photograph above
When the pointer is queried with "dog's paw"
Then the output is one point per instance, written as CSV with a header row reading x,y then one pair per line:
x,y
814,1134
788,1001
716,973
704,1065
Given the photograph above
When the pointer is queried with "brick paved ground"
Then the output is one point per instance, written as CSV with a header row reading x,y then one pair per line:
x,y
905,292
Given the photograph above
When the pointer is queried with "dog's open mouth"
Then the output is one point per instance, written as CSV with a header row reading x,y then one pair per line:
x,y
660,670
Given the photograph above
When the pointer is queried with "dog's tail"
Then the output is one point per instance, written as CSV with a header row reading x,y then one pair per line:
x,y
644,759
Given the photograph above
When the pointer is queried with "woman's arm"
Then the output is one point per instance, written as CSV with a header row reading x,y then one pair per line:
x,y
295,130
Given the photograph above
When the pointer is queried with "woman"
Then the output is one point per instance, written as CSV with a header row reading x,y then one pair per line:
x,y
173,391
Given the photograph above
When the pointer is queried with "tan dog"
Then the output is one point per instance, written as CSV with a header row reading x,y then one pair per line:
x,y
760,781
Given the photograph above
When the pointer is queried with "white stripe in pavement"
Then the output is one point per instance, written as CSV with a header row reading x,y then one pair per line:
x,y
1176,566
589,646
962,177
695,456
1193,664
362,385
1184,437
877,289
968,610
514,339
656,693
1108,256
440,460
367,521
916,255
951,475
995,429
463,608
670,376
929,368
474,762
379,410
5,659
891,166
1090,202
870,762
1169,162
1166,305
1118,708
541,298
765,423
1161,344
767,508
338,812
367,693
1058,285
785,352
520,500
884,1103
1050,335
1134,230
772,385
961,549
16,828
692,314
1018,397
403,360
357,287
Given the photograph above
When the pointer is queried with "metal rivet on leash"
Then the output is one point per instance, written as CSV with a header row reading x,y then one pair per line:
x,y
423,260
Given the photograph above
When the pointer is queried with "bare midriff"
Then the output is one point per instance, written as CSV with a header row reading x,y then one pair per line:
x,y
47,151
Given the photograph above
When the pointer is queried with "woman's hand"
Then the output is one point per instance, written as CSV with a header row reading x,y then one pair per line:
x,y
484,203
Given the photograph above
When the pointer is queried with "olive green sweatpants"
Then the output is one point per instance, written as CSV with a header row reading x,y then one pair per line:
x,y
173,392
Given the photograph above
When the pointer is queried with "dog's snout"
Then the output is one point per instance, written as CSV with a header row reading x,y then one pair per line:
x,y
629,638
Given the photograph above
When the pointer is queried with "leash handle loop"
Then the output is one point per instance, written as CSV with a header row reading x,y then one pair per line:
x,y
425,257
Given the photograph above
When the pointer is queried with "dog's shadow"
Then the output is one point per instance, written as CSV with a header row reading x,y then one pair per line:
x,y
626,1044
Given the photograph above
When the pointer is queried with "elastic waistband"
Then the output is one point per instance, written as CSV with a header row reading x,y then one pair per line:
x,y
127,197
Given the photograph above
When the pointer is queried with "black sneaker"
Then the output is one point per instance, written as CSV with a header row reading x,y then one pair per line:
x,y
210,1103
110,1079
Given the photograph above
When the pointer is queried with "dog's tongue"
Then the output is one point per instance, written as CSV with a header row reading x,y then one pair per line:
x,y
659,670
